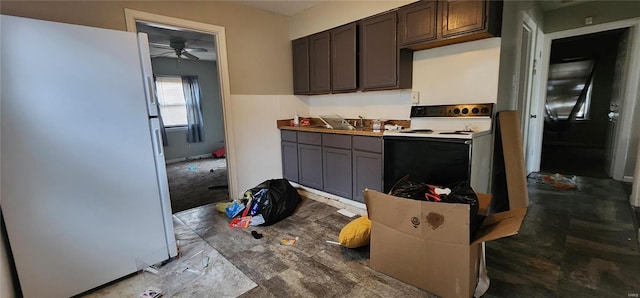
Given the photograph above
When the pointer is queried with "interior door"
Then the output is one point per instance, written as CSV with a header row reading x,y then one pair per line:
x,y
534,136
615,104
526,83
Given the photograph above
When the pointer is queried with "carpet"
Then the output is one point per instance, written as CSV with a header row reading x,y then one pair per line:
x,y
197,182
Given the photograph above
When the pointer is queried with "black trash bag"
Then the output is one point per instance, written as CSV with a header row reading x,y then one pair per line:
x,y
462,193
274,199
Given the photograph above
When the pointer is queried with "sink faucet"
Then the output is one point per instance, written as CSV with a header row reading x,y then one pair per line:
x,y
361,121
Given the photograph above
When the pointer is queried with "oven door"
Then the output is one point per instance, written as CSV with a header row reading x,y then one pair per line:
x,y
436,161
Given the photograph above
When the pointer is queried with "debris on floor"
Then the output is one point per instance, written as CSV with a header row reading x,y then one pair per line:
x,y
357,233
151,293
556,180
346,213
256,235
288,242
240,222
221,207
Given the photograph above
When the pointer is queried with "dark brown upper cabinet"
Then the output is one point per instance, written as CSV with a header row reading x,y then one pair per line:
x,y
417,22
382,65
456,21
300,50
320,63
462,16
344,58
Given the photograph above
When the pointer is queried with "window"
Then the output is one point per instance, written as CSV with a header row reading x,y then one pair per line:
x,y
172,103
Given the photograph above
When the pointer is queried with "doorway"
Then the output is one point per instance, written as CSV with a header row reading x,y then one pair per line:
x,y
184,51
622,161
584,72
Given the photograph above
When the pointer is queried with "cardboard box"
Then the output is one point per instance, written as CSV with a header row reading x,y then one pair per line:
x,y
427,244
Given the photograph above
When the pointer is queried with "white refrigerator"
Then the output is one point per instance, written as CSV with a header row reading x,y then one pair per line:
x,y
84,191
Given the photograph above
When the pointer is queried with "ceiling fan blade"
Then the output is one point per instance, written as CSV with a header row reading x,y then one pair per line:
x,y
196,50
161,46
190,56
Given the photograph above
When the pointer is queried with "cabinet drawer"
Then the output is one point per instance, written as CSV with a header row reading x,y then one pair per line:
x,y
289,136
371,144
336,141
311,138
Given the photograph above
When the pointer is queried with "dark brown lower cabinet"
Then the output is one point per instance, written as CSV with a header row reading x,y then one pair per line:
x,y
289,161
367,173
342,165
337,171
310,165
367,165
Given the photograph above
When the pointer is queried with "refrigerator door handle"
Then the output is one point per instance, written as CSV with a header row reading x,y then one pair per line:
x,y
147,74
153,96
158,141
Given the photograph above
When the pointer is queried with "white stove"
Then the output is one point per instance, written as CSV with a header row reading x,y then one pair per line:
x,y
461,121
444,144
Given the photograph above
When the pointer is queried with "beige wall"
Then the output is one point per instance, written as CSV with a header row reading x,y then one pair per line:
x,y
511,26
335,13
602,12
258,45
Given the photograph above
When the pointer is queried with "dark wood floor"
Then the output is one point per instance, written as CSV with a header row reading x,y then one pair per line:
x,y
573,160
576,243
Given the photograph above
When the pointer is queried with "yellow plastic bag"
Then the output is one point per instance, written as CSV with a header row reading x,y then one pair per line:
x,y
357,233
222,206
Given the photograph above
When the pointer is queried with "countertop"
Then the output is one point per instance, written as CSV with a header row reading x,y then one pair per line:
x,y
316,126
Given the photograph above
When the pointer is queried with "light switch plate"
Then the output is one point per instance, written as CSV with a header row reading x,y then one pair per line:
x,y
415,97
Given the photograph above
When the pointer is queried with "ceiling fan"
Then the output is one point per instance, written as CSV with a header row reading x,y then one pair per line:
x,y
178,47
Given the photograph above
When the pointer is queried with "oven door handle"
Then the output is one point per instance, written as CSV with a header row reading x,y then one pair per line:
x,y
426,139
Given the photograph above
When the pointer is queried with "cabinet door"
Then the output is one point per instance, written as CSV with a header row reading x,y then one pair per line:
x,y
300,51
310,165
344,58
319,63
462,16
337,171
378,52
289,161
417,22
367,173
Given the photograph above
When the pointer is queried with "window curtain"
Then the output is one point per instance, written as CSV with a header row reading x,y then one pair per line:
x,y
194,111
163,131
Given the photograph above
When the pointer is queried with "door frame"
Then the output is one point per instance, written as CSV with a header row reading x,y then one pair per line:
x,y
133,16
630,90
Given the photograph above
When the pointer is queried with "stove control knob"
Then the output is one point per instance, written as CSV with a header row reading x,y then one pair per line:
x,y
475,110
456,111
465,111
485,111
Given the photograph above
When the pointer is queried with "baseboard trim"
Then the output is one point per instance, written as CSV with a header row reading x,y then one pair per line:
x,y
331,200
201,156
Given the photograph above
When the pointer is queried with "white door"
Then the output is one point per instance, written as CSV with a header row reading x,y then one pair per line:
x,y
616,102
536,115
527,80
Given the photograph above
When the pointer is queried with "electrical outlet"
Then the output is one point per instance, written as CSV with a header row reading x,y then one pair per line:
x,y
588,20
415,97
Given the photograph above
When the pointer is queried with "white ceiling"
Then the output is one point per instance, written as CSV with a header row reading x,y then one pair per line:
x,y
556,4
293,7
284,7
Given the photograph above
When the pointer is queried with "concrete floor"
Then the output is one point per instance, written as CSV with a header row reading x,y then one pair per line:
x,y
573,243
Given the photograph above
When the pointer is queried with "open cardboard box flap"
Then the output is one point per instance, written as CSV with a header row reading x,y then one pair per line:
x,y
500,225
